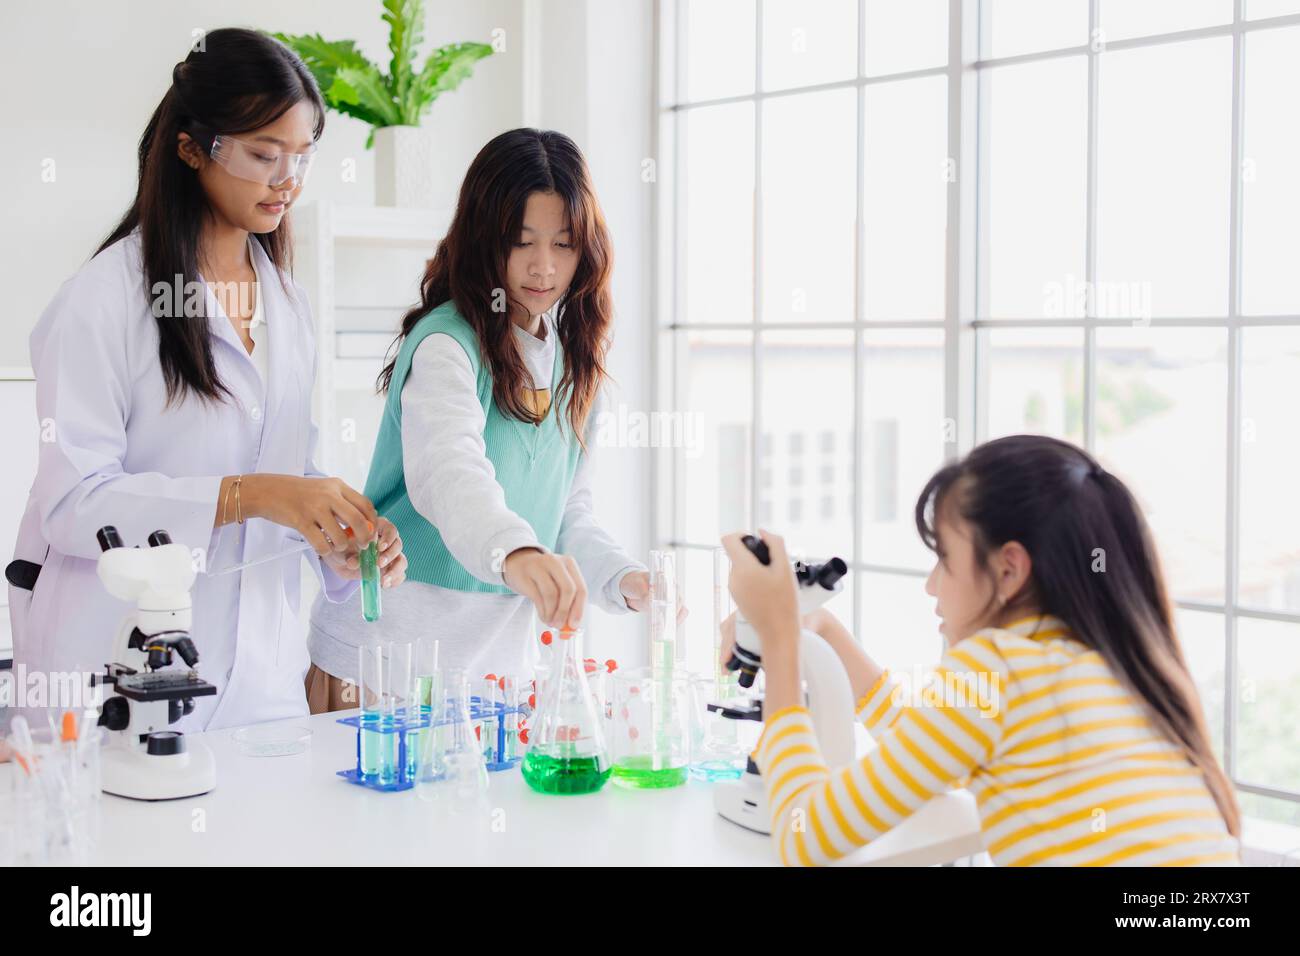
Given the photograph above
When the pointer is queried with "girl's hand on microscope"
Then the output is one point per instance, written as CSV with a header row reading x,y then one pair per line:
x,y
765,594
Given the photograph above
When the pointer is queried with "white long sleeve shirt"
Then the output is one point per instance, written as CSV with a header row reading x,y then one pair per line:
x,y
452,483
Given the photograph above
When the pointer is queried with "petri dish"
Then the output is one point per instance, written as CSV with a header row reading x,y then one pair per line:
x,y
273,740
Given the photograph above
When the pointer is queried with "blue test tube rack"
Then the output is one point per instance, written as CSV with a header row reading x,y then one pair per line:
x,y
401,725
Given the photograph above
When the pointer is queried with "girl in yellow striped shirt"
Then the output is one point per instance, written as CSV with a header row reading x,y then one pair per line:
x,y
1062,702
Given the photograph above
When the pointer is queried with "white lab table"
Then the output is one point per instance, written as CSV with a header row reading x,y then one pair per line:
x,y
295,810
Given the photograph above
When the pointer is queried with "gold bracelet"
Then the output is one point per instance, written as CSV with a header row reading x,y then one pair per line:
x,y
239,510
225,503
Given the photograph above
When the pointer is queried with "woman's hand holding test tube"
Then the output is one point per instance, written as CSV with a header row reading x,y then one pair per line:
x,y
320,509
391,560
334,518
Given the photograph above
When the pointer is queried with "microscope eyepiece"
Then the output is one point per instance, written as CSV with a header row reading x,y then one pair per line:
x,y
159,538
823,575
830,572
109,538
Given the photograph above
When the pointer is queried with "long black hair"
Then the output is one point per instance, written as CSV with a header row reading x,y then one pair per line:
x,y
239,81
1069,513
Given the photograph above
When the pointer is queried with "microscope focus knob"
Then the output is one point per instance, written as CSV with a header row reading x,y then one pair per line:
x,y
116,714
757,547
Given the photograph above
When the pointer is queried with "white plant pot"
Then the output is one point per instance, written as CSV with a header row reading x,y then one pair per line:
x,y
407,172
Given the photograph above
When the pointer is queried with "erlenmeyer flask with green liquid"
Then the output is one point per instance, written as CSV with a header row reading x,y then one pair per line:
x,y
567,752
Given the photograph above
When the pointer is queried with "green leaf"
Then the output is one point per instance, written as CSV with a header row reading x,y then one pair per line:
x,y
405,19
365,88
344,98
324,57
444,70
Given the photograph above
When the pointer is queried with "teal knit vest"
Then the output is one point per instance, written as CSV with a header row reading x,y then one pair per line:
x,y
534,464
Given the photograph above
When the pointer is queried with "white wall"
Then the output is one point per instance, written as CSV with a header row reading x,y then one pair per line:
x,y
594,82
85,75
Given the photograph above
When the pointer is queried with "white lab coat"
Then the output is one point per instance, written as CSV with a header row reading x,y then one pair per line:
x,y
113,453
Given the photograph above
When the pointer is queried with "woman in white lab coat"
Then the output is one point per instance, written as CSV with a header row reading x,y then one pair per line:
x,y
173,389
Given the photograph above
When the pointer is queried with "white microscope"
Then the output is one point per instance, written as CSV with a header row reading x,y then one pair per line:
x,y
144,760
829,694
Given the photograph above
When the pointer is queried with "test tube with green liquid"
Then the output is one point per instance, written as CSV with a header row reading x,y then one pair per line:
x,y
370,600
372,683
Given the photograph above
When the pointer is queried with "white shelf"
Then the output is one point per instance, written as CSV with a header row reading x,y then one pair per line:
x,y
327,237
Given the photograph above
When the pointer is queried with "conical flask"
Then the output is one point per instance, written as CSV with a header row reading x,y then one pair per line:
x,y
458,776
566,748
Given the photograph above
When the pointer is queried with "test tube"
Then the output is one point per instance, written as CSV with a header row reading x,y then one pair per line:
x,y
721,609
401,679
405,704
397,690
510,719
488,695
426,668
663,610
371,604
370,675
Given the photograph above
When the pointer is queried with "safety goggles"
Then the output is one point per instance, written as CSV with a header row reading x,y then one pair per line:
x,y
260,162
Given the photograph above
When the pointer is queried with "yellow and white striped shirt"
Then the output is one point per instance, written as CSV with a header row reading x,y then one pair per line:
x,y
1065,766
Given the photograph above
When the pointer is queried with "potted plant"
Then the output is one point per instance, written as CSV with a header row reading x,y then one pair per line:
x,y
394,102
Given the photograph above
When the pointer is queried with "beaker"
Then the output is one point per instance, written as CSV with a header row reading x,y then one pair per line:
x,y
716,750
566,749
650,720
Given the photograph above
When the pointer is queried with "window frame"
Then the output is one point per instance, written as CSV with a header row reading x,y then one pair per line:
x,y
965,334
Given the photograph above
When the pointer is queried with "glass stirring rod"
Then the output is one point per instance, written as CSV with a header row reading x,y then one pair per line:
x,y
305,546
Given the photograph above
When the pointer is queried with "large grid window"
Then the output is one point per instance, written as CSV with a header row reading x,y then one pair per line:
x,y
891,229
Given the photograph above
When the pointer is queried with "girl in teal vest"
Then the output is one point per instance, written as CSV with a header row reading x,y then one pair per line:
x,y
483,456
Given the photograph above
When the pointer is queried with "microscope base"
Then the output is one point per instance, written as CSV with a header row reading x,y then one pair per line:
x,y
131,772
743,802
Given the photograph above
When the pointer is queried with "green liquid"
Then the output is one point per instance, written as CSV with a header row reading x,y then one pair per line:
x,y
424,691
663,657
564,774
370,603
372,745
647,772
417,744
